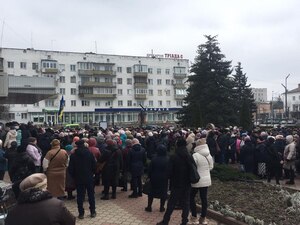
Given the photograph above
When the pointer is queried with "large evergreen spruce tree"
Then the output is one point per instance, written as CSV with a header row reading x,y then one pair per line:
x,y
210,94
244,100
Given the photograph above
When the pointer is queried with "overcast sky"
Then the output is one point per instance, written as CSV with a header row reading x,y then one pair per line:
x,y
263,35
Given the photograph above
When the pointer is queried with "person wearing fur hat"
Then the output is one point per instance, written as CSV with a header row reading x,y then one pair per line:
x,y
55,165
205,164
82,167
136,161
36,206
289,158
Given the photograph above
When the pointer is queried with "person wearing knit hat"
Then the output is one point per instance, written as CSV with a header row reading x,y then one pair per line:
x,y
289,158
55,165
36,206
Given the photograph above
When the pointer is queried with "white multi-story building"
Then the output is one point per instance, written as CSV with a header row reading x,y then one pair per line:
x,y
293,102
260,94
100,87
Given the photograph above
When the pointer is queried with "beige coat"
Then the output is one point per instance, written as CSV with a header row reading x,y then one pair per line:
x,y
56,171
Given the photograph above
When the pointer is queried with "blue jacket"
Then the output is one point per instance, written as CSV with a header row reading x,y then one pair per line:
x,y
3,163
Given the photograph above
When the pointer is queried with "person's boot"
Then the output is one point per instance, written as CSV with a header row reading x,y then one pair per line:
x,y
193,220
163,223
113,196
105,197
70,195
148,209
133,195
203,221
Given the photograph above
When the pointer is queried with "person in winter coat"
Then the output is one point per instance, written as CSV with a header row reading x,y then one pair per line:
x,y
22,167
25,135
274,160
112,156
36,206
158,175
150,144
3,162
34,152
247,155
55,165
82,168
261,157
289,158
97,154
180,185
125,168
136,161
205,164
10,155
10,137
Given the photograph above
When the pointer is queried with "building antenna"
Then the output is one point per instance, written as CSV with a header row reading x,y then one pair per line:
x,y
96,50
2,31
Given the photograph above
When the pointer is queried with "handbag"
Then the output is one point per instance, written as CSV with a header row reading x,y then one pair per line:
x,y
147,187
193,172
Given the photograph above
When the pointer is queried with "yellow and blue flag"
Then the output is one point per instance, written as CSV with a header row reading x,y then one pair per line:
x,y
61,107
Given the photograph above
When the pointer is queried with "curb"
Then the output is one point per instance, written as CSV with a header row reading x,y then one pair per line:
x,y
220,217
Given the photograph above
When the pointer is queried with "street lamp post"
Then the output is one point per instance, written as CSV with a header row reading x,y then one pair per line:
x,y
286,90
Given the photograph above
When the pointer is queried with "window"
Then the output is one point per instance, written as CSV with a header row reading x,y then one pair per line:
x,y
129,80
73,91
120,92
49,103
23,65
128,69
179,70
168,82
159,92
120,103
24,116
119,69
160,103
85,103
24,105
35,66
167,71
10,64
62,91
168,92
158,81
72,67
150,70
158,71
11,116
150,92
179,103
49,64
73,103
129,91
150,103
168,103
140,68
62,79
108,103
294,98
150,81
97,103
62,67
119,80
140,103
129,103
73,79
36,104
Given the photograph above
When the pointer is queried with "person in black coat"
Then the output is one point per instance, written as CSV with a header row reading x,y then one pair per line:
x,y
274,161
247,155
112,156
136,161
82,168
180,185
10,155
150,144
21,167
158,174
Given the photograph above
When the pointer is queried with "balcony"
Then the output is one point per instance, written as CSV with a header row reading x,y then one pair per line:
x,y
179,86
99,84
140,85
97,95
140,96
179,97
179,75
96,72
49,70
140,74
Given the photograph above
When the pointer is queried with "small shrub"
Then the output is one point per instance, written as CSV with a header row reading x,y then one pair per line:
x,y
227,173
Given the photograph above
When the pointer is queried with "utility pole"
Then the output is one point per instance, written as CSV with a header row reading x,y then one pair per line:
x,y
286,91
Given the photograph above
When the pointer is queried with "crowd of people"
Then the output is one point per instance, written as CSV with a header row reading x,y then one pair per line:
x,y
78,159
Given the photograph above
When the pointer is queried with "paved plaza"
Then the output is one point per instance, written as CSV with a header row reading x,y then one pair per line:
x,y
124,210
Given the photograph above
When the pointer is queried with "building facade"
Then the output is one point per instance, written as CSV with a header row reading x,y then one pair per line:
x,y
101,87
293,103
260,94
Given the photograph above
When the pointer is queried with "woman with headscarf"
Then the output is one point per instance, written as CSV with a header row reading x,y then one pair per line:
x,y
36,206
158,174
55,165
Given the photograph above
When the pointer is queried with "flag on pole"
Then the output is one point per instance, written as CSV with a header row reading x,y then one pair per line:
x,y
61,107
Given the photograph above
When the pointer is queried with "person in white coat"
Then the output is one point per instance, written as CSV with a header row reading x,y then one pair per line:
x,y
204,162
